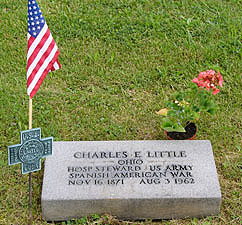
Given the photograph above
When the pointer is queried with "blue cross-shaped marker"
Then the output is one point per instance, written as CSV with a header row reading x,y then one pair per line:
x,y
30,151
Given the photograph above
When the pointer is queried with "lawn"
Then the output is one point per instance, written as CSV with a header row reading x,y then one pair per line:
x,y
120,60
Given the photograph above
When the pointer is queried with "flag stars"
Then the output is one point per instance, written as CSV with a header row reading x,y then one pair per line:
x,y
35,19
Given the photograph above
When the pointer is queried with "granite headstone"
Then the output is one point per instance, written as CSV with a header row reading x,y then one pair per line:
x,y
130,180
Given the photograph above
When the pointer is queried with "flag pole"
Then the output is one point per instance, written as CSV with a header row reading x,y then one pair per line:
x,y
30,177
30,113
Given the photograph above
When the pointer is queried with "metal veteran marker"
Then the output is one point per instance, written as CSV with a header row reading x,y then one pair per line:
x,y
30,151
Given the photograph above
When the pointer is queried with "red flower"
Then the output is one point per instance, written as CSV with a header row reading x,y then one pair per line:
x,y
196,81
215,91
209,79
220,79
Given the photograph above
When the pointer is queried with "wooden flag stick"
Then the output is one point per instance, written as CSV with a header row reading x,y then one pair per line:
x,y
30,178
30,113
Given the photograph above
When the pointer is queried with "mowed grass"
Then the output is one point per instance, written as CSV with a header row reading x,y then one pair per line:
x,y
120,60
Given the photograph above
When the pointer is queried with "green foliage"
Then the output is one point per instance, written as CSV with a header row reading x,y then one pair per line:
x,y
187,106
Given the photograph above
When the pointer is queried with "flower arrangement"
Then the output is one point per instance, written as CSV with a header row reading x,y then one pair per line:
x,y
186,106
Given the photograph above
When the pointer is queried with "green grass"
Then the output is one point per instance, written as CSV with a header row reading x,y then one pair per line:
x,y
121,59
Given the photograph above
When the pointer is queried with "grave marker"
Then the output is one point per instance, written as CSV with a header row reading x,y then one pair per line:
x,y
30,151
130,180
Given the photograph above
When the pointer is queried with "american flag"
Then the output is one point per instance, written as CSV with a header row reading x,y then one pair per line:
x,y
42,54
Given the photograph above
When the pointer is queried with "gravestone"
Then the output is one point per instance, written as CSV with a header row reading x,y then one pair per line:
x,y
130,180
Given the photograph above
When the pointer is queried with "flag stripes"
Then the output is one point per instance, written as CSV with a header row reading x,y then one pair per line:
x,y
42,53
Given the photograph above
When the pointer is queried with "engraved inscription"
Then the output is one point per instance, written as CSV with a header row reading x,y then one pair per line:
x,y
123,167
